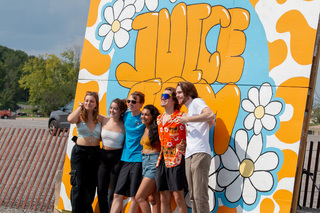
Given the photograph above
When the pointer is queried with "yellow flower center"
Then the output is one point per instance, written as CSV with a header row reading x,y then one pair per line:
x,y
115,26
246,168
259,112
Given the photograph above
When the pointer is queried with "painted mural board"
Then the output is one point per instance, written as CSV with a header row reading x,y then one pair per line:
x,y
250,60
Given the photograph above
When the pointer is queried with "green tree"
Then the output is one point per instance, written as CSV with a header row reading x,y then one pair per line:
x,y
11,63
51,81
2,75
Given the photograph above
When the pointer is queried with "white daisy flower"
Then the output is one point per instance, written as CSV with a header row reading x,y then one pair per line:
x,y
139,4
261,109
213,186
245,170
118,23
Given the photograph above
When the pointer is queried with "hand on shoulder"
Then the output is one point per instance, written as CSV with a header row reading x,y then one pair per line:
x,y
102,118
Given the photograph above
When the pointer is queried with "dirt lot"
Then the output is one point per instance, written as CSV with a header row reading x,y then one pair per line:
x,y
41,123
12,210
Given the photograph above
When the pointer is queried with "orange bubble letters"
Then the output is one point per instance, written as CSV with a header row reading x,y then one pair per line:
x,y
175,45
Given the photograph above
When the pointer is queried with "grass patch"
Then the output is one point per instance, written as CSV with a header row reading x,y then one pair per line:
x,y
314,124
30,111
23,103
27,110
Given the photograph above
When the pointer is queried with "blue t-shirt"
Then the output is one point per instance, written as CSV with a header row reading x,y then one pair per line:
x,y
134,131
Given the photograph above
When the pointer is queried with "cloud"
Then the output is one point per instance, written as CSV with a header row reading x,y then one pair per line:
x,y
39,27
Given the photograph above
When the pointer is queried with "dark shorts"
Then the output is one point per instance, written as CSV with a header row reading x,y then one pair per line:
x,y
129,179
172,179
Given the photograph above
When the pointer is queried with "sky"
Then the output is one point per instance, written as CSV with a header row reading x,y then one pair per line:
x,y
38,27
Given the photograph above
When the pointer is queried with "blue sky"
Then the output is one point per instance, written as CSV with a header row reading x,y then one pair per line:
x,y
38,27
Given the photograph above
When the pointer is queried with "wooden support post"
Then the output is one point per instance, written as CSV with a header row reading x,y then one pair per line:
x,y
303,142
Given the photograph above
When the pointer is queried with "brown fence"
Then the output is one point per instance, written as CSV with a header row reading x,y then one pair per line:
x,y
310,182
29,160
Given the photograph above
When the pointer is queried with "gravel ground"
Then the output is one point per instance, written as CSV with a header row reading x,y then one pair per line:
x,y
41,123
307,210
12,210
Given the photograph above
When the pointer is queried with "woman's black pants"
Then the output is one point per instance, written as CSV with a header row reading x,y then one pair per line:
x,y
84,172
108,173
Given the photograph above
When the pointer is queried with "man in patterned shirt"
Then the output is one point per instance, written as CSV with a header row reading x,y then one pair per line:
x,y
170,171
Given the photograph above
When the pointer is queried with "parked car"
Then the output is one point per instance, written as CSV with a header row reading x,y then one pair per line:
x,y
58,118
21,114
5,114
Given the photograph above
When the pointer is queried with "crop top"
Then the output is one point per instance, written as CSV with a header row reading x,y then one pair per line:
x,y
84,131
147,145
112,139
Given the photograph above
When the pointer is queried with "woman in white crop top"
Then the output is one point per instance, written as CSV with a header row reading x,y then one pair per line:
x,y
85,154
112,135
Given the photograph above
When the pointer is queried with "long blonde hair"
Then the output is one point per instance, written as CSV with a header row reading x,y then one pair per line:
x,y
84,113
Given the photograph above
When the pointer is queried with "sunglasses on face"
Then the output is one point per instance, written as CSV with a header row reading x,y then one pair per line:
x,y
166,96
131,101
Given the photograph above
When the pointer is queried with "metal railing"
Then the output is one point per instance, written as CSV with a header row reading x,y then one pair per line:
x,y
310,180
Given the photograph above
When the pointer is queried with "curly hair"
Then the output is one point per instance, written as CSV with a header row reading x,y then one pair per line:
x,y
84,113
153,132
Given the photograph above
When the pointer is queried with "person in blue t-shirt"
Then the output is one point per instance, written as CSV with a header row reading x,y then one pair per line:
x,y
130,174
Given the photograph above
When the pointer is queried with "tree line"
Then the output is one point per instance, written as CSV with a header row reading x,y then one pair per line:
x,y
49,82
45,82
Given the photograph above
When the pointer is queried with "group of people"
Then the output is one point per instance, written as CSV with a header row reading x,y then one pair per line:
x,y
146,156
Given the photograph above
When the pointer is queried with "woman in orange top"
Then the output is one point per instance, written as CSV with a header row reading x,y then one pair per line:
x,y
170,171
150,152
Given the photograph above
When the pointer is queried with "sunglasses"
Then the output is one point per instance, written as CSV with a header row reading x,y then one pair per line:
x,y
165,96
131,101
